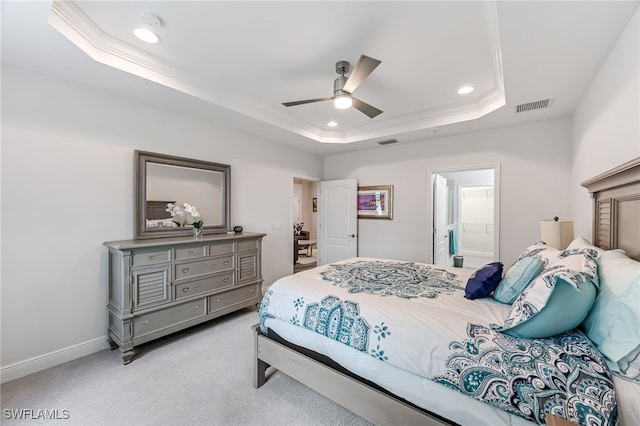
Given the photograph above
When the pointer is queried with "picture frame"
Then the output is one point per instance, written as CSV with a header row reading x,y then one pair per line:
x,y
375,202
314,204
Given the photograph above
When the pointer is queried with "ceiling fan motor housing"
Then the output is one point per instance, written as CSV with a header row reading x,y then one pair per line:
x,y
342,67
338,84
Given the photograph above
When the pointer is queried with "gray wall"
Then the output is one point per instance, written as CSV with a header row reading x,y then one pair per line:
x,y
535,165
606,124
68,186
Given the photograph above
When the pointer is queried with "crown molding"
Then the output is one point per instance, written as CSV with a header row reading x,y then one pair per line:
x,y
71,21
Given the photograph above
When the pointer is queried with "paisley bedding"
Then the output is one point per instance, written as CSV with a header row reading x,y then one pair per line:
x,y
415,318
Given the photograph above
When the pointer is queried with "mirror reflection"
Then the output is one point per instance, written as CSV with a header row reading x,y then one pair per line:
x,y
176,185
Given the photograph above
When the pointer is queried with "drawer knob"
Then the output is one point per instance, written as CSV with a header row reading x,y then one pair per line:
x,y
217,300
185,270
226,262
226,280
146,322
151,257
185,290
190,252
196,306
221,249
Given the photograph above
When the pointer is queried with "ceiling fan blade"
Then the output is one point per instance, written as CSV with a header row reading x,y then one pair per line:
x,y
363,68
365,108
306,101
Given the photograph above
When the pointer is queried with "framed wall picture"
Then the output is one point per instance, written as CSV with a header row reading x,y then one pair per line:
x,y
314,204
375,202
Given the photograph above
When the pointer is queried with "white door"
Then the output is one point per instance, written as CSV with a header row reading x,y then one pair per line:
x,y
337,220
297,210
440,234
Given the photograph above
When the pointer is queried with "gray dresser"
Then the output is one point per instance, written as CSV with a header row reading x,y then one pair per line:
x,y
160,286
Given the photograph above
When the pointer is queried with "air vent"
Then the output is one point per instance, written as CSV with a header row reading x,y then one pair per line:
x,y
544,103
388,142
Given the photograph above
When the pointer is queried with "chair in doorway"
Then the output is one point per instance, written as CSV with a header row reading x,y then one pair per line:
x,y
298,235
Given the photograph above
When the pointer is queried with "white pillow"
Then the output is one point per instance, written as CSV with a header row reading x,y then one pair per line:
x,y
161,223
582,243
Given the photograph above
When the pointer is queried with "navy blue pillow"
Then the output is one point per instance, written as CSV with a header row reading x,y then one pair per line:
x,y
483,281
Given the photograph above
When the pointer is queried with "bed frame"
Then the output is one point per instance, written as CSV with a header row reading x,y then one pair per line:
x,y
616,209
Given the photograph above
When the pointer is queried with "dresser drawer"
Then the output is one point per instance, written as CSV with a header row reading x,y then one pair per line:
x,y
194,252
145,258
154,321
247,245
229,298
220,248
203,267
202,286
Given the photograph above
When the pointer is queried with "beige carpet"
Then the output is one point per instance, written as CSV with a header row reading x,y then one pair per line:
x,y
202,376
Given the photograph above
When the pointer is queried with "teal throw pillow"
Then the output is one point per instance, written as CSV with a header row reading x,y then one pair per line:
x,y
565,310
557,300
517,279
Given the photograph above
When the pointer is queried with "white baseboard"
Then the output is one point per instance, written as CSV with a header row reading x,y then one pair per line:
x,y
52,359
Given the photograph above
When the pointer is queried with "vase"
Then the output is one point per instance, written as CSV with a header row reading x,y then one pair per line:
x,y
197,233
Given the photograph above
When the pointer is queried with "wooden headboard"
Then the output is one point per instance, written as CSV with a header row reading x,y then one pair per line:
x,y
156,210
616,208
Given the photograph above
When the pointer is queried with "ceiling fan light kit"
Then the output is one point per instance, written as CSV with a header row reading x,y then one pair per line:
x,y
342,101
344,86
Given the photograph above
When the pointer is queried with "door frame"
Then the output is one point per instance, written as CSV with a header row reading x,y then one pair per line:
x,y
496,205
291,218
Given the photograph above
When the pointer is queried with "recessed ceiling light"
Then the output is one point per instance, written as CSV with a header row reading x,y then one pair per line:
x,y
464,90
332,124
146,35
149,22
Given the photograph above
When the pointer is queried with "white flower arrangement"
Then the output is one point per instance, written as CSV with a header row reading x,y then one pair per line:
x,y
184,214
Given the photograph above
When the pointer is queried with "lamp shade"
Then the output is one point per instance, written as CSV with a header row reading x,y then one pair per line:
x,y
556,233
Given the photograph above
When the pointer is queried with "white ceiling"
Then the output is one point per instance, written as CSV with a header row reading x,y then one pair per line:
x,y
234,63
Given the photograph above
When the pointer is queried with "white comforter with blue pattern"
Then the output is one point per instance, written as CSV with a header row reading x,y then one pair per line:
x,y
415,317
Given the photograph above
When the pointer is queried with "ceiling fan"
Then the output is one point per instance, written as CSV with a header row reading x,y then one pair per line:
x,y
344,86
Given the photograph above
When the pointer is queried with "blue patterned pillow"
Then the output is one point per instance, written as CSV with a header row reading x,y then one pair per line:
x,y
483,281
518,278
540,250
558,300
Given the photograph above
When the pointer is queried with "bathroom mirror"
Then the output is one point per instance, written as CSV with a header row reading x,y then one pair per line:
x,y
163,179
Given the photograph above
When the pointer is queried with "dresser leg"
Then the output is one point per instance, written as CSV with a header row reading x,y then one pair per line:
x,y
126,352
112,345
127,357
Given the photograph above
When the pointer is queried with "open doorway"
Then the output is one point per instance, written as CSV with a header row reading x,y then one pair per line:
x,y
466,217
304,218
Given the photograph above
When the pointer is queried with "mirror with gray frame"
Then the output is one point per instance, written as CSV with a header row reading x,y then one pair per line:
x,y
163,179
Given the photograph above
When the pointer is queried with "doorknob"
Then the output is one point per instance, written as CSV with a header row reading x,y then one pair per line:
x,y
352,235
